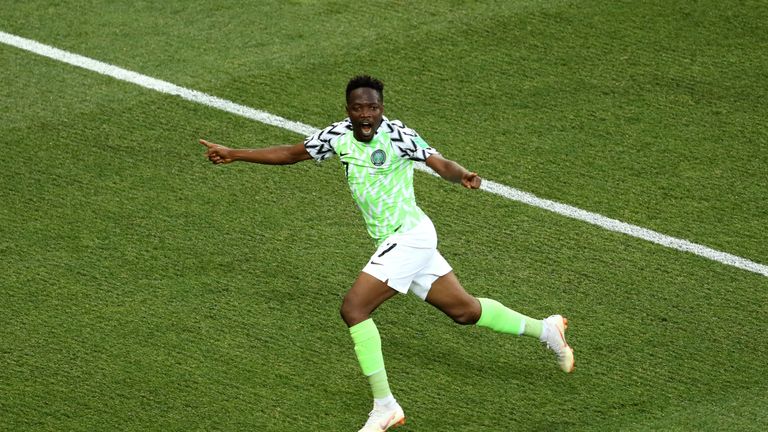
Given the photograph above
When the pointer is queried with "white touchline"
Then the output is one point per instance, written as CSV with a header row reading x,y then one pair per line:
x,y
303,129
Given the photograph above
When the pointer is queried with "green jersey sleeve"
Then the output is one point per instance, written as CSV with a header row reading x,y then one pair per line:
x,y
320,146
407,142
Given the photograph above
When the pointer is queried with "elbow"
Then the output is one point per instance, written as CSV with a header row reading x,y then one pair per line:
x,y
287,157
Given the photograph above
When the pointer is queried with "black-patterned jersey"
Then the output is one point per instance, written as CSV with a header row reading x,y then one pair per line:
x,y
379,172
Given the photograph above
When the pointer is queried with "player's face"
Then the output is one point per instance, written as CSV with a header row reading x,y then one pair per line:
x,y
365,109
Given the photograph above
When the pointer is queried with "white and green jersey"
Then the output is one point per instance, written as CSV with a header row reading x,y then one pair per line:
x,y
379,172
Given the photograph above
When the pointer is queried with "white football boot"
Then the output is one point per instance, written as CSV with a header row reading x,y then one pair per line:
x,y
554,336
383,418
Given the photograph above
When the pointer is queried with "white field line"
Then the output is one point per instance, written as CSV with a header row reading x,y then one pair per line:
x,y
304,129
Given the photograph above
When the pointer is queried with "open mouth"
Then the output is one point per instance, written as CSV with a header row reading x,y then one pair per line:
x,y
366,128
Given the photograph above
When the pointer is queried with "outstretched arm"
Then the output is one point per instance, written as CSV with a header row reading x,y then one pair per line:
x,y
276,155
453,172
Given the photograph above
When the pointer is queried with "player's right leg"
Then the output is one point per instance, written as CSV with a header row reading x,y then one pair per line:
x,y
392,268
366,294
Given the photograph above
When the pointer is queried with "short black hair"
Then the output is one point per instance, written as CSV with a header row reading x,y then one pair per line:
x,y
365,81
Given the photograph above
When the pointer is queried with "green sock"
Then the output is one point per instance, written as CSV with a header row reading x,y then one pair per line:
x,y
502,319
367,341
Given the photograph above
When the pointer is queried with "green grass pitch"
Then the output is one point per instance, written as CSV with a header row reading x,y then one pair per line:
x,y
144,289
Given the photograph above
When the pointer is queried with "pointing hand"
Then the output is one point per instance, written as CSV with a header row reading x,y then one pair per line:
x,y
218,154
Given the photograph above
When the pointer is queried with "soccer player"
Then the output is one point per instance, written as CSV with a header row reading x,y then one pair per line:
x,y
377,155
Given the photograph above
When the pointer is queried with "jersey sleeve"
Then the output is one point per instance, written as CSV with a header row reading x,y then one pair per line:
x,y
408,143
319,145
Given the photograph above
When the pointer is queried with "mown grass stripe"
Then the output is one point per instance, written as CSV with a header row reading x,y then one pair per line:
x,y
304,129
153,83
625,228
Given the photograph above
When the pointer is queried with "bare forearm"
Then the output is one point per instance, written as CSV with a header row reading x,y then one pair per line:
x,y
452,171
276,155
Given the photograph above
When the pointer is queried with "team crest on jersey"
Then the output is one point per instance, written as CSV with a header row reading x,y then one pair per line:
x,y
378,157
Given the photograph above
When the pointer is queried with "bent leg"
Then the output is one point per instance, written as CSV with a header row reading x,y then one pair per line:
x,y
502,319
449,296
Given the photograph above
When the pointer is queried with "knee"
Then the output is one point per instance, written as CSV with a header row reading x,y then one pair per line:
x,y
352,313
468,313
465,318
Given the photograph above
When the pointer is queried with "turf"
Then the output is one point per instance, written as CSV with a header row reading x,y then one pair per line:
x,y
145,289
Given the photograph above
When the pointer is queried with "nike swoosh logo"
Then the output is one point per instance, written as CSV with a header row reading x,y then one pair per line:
x,y
342,154
562,337
385,424
375,263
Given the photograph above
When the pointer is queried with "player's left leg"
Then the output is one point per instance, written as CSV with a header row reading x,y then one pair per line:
x,y
449,296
